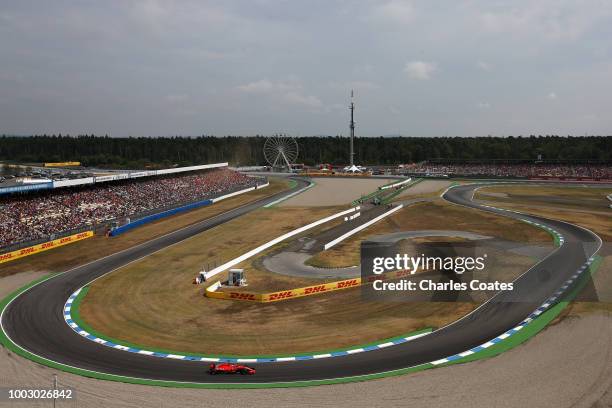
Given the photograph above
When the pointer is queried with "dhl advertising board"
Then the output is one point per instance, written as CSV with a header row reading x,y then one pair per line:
x,y
63,164
293,293
311,290
56,243
299,292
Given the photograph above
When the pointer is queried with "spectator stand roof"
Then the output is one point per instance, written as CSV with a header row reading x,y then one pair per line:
x,y
101,179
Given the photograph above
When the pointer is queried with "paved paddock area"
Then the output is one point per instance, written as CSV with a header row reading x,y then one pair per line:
x,y
330,191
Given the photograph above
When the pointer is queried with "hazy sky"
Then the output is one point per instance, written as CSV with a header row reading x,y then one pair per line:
x,y
419,68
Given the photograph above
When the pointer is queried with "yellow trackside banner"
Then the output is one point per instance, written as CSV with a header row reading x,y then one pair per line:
x,y
287,294
45,246
299,292
63,164
310,290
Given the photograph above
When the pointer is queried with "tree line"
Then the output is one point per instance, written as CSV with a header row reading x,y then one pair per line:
x,y
142,152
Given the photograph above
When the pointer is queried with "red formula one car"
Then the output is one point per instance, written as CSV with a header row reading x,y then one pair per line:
x,y
230,368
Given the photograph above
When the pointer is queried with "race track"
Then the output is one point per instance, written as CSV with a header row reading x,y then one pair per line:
x,y
35,322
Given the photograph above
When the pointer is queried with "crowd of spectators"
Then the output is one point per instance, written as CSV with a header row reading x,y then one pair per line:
x,y
600,172
28,217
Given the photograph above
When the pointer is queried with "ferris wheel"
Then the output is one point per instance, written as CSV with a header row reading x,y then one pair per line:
x,y
280,150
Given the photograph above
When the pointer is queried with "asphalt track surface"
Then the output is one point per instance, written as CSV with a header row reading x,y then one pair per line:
x,y
35,322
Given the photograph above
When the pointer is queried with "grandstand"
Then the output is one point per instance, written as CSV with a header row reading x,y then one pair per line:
x,y
48,213
533,170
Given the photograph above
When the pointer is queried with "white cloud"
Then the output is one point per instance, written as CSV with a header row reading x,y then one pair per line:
x,y
167,16
489,48
394,110
364,69
177,98
265,86
485,66
335,107
356,85
300,99
400,11
420,70
152,10
261,86
552,95
289,91
589,116
548,19
506,21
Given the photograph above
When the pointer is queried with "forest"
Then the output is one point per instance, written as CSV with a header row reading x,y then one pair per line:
x,y
145,152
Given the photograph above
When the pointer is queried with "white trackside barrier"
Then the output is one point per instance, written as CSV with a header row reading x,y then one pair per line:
x,y
235,193
275,241
214,287
361,227
395,184
352,217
